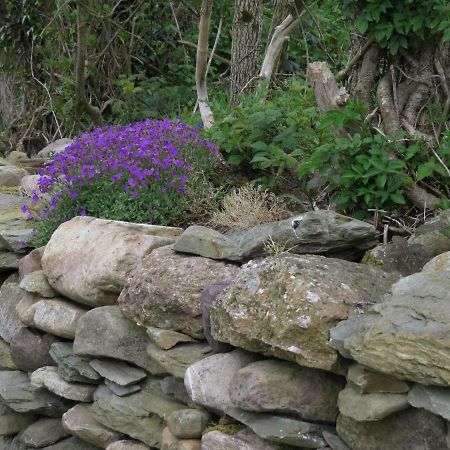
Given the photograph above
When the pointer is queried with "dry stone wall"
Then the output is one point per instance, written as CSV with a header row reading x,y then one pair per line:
x,y
121,336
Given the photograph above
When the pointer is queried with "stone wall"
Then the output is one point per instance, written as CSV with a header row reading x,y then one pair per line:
x,y
121,336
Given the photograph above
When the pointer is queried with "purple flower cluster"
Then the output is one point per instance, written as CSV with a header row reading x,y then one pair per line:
x,y
151,152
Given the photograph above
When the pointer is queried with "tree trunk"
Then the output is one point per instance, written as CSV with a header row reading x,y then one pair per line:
x,y
246,46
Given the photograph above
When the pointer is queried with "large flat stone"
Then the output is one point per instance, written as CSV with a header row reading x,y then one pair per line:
x,y
286,388
432,398
244,440
72,443
12,422
118,371
165,290
128,342
44,432
285,306
88,260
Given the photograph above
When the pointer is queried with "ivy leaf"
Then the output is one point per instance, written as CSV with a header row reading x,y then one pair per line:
x,y
398,198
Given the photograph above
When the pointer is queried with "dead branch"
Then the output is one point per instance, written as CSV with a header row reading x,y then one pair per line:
x,y
202,64
353,61
214,55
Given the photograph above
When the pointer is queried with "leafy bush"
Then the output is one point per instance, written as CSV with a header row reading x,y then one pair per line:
x,y
143,172
368,170
269,137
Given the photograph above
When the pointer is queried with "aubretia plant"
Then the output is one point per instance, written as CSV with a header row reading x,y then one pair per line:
x,y
144,172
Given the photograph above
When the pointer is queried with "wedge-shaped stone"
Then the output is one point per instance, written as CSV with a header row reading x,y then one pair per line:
x,y
88,260
432,398
118,371
36,283
285,306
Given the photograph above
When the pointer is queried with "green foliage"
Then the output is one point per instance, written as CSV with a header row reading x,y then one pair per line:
x,y
269,137
365,169
399,24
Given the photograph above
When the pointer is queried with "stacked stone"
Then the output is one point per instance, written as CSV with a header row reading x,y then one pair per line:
x,y
119,336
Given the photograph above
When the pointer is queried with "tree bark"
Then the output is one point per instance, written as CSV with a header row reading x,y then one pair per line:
x,y
201,67
246,47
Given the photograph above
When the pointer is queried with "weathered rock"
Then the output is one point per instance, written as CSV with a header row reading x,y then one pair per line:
x,y
175,388
203,241
165,290
36,283
128,342
44,432
244,440
17,443
285,306
369,407
9,261
6,443
15,230
188,423
366,382
16,156
20,395
412,429
282,429
209,295
10,296
72,443
171,442
176,360
49,378
12,422
122,391
334,441
57,316
54,148
166,339
25,308
440,263
30,349
31,262
95,268
408,335
28,184
139,415
286,388
80,422
118,371
432,398
6,361
73,367
11,175
207,381
127,445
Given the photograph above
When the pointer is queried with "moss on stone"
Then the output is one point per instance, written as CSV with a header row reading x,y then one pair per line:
x,y
230,429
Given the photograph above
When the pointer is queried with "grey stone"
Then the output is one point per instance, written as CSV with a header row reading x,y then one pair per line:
x,y
283,430
57,316
127,445
54,148
140,415
369,407
440,263
166,339
31,262
122,391
9,261
247,440
6,361
286,388
171,442
174,387
10,296
36,283
26,307
44,432
89,260
72,443
12,422
165,290
334,441
49,378
118,371
412,429
285,306
176,360
432,398
30,349
21,396
128,342
73,367
407,336
80,422
203,241
188,423
207,381
366,381
14,227
11,175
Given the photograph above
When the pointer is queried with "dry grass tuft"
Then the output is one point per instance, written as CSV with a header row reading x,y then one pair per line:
x,y
247,207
